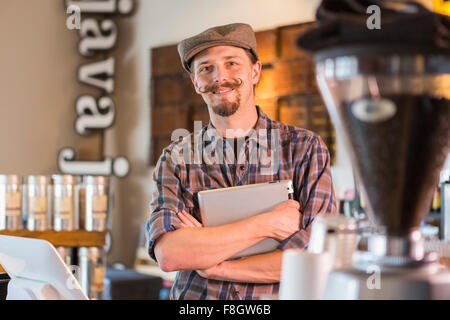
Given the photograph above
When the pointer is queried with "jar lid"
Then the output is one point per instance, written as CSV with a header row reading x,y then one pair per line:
x,y
9,179
96,180
91,252
65,179
36,179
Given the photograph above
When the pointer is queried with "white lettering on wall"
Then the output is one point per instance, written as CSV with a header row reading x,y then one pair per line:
x,y
95,36
118,166
74,20
98,34
92,74
123,7
93,116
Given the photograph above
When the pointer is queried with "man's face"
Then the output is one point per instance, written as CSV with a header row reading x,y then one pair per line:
x,y
224,76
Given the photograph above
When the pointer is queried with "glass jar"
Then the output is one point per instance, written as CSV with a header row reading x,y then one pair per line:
x,y
92,261
94,203
64,202
36,191
10,203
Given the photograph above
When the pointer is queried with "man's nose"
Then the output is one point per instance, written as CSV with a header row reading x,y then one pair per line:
x,y
220,74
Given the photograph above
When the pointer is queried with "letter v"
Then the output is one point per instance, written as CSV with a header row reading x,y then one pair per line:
x,y
89,74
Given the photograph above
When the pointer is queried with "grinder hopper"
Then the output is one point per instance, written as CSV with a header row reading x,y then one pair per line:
x,y
394,112
391,101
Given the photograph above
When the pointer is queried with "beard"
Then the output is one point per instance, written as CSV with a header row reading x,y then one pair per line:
x,y
222,106
227,108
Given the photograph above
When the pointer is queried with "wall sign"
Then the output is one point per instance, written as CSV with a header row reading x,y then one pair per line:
x,y
98,36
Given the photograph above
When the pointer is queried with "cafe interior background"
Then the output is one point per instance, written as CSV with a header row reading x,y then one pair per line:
x,y
40,86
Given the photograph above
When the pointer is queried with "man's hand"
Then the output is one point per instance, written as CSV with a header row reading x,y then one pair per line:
x,y
285,219
188,221
262,268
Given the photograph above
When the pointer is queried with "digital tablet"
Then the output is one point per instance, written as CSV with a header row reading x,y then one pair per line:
x,y
228,205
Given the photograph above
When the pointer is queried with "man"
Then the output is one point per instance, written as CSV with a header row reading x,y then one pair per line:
x,y
224,68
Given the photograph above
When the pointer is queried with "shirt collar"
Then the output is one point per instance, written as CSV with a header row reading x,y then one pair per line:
x,y
259,135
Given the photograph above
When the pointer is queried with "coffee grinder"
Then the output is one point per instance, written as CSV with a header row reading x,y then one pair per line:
x,y
388,94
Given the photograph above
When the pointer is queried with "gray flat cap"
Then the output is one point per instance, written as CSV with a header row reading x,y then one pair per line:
x,y
235,34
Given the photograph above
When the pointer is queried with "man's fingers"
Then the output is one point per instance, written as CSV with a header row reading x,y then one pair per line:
x,y
184,221
293,203
188,220
192,219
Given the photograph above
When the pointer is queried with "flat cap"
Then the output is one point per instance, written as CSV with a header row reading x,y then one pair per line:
x,y
235,34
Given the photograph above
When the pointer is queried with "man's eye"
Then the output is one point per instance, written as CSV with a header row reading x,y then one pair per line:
x,y
204,69
232,63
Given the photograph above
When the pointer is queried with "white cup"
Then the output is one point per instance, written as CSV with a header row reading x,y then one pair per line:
x,y
304,274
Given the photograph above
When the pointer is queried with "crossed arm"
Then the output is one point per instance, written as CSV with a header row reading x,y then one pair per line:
x,y
206,249
263,268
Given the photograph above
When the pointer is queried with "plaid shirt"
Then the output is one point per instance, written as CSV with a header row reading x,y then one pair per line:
x,y
302,157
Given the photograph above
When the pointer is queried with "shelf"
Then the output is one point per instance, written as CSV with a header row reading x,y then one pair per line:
x,y
78,238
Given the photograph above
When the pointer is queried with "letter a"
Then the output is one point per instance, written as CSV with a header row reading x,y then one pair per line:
x,y
74,20
374,21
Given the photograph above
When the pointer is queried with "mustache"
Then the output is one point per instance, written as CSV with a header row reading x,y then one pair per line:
x,y
215,86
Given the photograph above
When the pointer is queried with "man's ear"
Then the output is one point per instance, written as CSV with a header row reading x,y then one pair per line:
x,y
256,72
194,82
